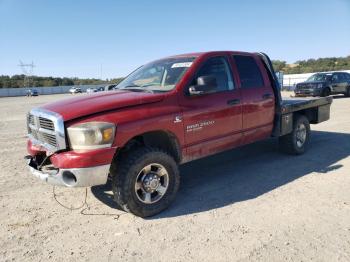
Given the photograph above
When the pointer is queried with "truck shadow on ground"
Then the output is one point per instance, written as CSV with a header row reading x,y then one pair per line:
x,y
246,173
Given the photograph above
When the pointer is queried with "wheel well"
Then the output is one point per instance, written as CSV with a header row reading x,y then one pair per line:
x,y
166,141
311,114
326,89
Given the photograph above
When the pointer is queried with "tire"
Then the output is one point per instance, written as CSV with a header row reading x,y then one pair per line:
x,y
347,94
297,141
137,174
326,92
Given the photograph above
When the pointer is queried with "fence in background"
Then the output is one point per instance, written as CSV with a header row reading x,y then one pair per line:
x,y
42,90
289,82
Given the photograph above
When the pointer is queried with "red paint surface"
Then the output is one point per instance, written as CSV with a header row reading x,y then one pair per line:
x,y
135,113
73,159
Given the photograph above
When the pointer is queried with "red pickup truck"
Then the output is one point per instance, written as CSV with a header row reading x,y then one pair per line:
x,y
163,114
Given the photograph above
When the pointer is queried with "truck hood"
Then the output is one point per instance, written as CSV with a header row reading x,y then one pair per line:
x,y
88,104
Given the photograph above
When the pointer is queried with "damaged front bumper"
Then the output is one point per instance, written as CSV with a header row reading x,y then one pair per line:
x,y
72,177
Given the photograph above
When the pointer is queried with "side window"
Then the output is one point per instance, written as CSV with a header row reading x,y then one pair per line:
x,y
219,68
335,78
347,76
249,71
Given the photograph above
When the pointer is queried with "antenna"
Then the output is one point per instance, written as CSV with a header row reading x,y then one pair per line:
x,y
27,70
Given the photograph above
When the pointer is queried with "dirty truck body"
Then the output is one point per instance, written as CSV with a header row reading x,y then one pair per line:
x,y
168,112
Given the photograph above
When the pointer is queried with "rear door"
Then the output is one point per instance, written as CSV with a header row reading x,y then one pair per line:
x,y
336,83
343,82
257,98
213,122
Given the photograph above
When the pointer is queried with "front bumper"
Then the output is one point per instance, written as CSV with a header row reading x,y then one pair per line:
x,y
72,177
308,92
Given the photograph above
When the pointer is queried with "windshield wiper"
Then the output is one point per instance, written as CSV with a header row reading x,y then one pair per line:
x,y
125,87
135,89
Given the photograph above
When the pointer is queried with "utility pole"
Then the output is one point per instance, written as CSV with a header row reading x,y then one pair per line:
x,y
27,70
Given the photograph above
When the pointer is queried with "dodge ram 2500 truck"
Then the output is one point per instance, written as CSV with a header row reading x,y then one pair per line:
x,y
163,114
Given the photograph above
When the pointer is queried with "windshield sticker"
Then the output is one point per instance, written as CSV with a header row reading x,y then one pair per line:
x,y
184,64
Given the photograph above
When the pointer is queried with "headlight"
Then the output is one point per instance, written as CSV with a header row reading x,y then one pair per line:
x,y
91,135
319,85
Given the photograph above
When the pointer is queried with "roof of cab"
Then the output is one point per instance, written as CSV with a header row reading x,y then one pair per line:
x,y
197,54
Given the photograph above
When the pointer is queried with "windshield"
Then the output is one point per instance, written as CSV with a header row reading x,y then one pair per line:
x,y
158,76
319,77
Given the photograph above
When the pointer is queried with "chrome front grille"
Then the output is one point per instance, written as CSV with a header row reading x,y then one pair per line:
x,y
46,128
46,124
30,119
305,86
48,138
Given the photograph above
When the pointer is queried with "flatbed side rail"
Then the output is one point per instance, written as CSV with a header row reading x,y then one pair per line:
x,y
317,110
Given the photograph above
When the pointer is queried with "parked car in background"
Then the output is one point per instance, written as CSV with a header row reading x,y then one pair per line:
x,y
110,87
32,92
91,90
100,89
324,84
75,90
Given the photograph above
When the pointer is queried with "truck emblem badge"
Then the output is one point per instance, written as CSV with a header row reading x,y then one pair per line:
x,y
178,119
199,126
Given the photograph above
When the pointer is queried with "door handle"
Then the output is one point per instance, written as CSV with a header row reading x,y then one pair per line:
x,y
267,96
233,102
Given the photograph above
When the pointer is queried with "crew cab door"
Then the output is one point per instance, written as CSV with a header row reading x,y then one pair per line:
x,y
258,101
213,121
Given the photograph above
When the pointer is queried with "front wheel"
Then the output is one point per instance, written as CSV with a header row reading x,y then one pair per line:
x,y
347,93
145,182
297,141
326,92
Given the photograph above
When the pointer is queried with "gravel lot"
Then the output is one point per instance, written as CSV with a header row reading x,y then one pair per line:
x,y
248,204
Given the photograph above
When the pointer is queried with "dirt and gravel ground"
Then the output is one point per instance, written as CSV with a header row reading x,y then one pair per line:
x,y
248,204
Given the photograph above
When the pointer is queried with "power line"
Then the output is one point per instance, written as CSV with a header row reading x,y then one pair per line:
x,y
27,70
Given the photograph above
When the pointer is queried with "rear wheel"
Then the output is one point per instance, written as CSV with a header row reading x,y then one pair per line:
x,y
297,141
145,182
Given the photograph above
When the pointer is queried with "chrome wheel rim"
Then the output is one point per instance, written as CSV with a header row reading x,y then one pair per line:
x,y
151,184
301,134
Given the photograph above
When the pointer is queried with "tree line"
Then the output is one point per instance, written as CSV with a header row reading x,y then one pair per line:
x,y
303,66
17,81
313,65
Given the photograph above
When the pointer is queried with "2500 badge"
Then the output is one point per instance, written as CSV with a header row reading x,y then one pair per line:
x,y
199,126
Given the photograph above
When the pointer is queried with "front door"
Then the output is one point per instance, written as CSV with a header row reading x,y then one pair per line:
x,y
212,122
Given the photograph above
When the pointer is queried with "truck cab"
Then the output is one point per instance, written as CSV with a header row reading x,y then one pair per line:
x,y
164,114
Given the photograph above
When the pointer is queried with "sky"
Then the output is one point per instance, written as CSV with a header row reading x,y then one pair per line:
x,y
90,39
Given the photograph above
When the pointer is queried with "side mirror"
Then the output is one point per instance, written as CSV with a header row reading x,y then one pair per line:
x,y
205,85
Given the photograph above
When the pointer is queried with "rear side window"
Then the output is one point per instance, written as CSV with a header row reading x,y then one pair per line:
x,y
342,77
346,76
249,72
